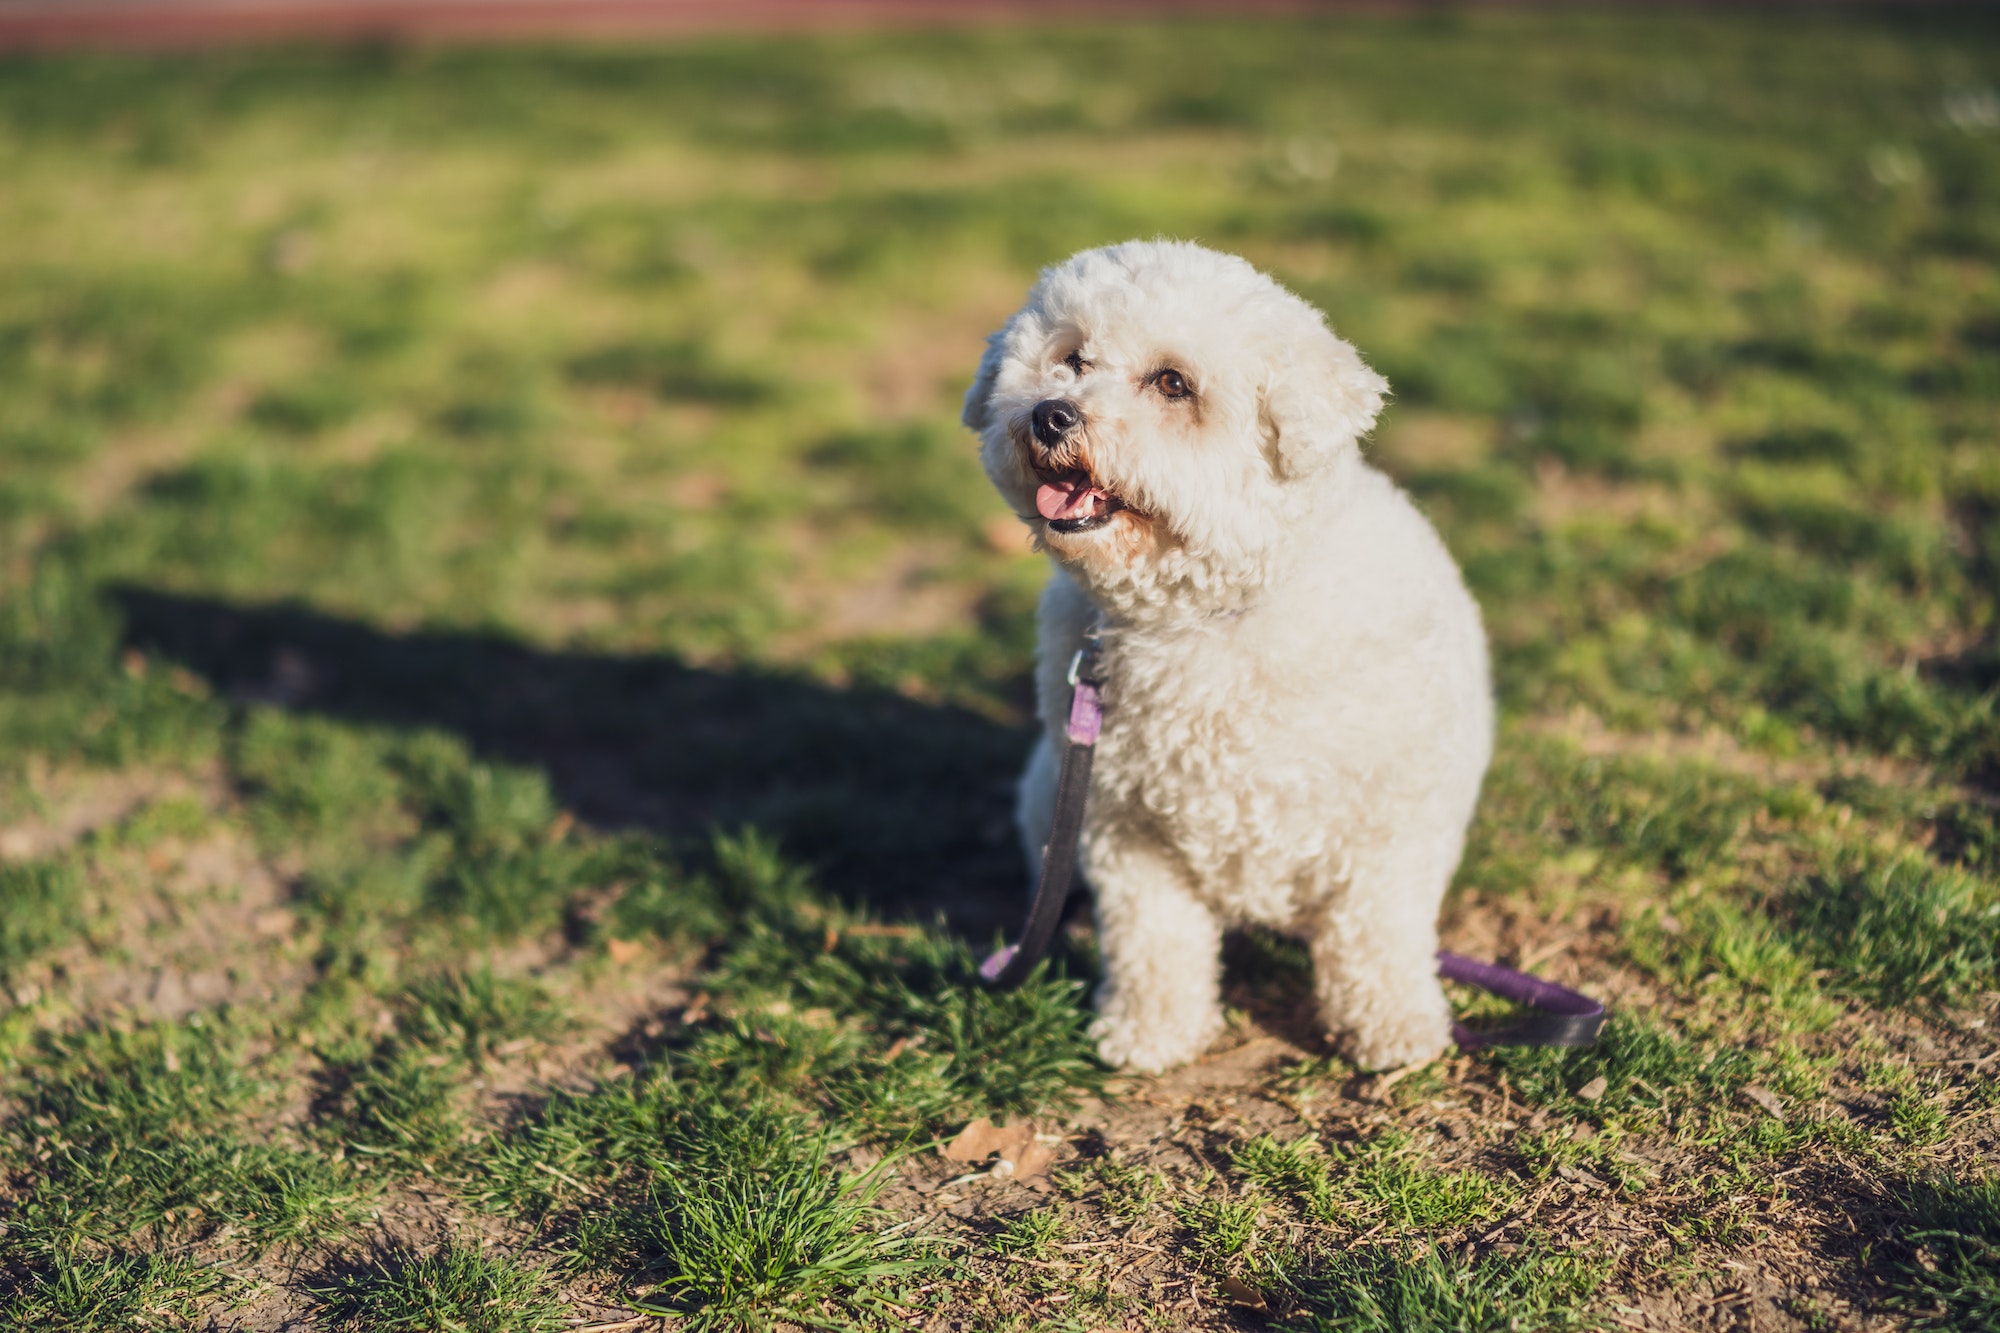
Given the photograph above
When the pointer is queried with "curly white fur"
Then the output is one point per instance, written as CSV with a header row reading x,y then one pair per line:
x,y
1298,706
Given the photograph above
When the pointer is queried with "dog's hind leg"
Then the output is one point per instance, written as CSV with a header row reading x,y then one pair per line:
x,y
1160,1004
1375,961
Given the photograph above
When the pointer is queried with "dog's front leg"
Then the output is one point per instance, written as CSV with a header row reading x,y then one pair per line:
x,y
1375,967
1160,1004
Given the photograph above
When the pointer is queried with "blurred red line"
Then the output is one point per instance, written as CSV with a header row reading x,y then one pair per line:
x,y
50,24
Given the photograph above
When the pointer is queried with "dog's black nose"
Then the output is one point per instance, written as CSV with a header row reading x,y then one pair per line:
x,y
1055,418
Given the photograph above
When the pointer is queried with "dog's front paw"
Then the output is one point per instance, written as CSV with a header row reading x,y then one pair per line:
x,y
1417,1040
1149,1044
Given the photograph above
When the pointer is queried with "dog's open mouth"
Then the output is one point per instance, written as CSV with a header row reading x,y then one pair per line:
x,y
1071,503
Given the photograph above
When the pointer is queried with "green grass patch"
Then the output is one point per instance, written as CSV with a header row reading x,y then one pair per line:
x,y
459,1287
126,1145
1385,1289
1032,1235
404,1106
1300,1171
1949,1276
41,906
1899,931
1643,1064
825,999
1379,1179
476,1011
97,1293
401,1101
1219,1229
1124,1193
744,1221
1902,931
1622,824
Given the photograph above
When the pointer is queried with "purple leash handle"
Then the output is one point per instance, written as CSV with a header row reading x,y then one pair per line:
x,y
996,963
1561,1017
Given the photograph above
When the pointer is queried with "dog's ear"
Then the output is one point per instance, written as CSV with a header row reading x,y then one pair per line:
x,y
975,416
1318,402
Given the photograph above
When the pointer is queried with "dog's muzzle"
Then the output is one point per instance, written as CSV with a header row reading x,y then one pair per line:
x,y
1069,498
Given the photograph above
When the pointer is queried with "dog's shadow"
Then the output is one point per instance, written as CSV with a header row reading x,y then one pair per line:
x,y
1270,977
901,806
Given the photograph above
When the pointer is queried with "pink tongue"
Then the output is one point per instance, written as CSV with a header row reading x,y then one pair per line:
x,y
1072,497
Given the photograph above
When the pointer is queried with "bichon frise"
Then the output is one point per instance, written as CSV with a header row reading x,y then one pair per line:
x,y
1297,708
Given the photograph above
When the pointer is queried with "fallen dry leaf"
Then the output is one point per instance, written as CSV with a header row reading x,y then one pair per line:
x,y
979,1140
1767,1099
1594,1089
1242,1293
1019,1156
1026,1164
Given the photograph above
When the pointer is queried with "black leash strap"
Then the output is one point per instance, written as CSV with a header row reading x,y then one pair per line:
x,y
1008,967
1559,1017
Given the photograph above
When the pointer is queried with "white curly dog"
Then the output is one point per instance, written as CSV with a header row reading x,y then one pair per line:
x,y
1298,710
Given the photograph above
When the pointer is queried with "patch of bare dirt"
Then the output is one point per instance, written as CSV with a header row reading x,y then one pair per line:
x,y
51,810
182,922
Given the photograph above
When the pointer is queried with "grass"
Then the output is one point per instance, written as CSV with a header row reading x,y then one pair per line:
x,y
1220,1229
118,1292
1377,1179
458,1287
1902,931
1033,1234
1123,1193
1951,1275
142,1131
1378,1290
510,677
733,1217
43,908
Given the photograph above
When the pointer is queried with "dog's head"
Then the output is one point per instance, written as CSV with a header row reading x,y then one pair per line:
x,y
1160,412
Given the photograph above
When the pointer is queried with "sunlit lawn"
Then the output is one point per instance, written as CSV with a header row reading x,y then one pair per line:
x,y
510,675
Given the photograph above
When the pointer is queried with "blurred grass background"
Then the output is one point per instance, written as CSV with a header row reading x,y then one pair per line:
x,y
1690,319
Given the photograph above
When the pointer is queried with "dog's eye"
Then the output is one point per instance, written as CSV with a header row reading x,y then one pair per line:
x,y
1076,363
1172,384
